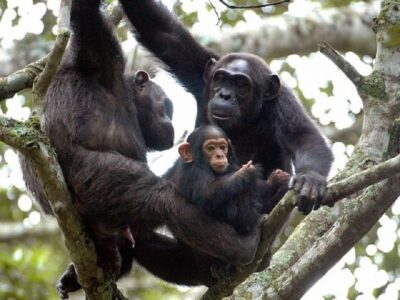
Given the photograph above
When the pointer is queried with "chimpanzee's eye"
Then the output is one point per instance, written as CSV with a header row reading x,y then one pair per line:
x,y
241,82
242,85
210,148
218,78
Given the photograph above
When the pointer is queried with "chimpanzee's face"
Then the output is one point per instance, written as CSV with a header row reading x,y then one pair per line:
x,y
215,151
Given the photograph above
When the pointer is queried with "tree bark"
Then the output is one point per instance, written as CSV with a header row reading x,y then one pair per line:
x,y
345,28
326,235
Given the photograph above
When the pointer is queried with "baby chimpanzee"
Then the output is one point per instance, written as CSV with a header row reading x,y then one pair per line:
x,y
207,175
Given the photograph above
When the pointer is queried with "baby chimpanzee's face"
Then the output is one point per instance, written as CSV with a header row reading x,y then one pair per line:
x,y
216,153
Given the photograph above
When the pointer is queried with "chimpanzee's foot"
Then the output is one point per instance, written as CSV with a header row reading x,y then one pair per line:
x,y
68,282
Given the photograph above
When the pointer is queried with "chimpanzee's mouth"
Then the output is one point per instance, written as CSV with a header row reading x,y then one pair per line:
x,y
222,117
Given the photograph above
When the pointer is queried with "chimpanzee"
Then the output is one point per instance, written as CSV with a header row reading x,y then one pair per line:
x,y
92,120
155,112
207,175
239,93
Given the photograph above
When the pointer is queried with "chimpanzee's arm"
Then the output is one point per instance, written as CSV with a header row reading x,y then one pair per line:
x,y
137,196
223,189
161,33
312,157
96,50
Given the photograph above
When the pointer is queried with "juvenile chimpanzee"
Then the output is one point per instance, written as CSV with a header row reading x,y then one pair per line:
x,y
239,93
92,120
208,176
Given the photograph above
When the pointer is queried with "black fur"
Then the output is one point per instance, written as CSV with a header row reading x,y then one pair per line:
x,y
98,123
238,198
268,126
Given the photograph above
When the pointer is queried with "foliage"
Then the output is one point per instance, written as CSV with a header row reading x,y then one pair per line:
x,y
28,272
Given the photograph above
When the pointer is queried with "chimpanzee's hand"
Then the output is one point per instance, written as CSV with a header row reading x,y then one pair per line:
x,y
278,179
247,169
311,187
248,165
247,173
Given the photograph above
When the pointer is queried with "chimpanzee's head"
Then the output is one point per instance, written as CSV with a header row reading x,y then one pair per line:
x,y
209,148
237,86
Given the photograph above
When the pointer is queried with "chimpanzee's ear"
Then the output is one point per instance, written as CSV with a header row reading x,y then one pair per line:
x,y
186,153
273,85
209,65
141,77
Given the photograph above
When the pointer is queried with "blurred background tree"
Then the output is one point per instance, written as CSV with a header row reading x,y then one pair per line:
x,y
32,254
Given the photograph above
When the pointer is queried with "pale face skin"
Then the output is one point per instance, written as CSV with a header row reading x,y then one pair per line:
x,y
216,151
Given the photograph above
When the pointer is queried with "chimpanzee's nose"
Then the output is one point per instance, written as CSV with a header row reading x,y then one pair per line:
x,y
225,94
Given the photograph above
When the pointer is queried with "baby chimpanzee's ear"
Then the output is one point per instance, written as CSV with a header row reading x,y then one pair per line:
x,y
141,77
186,153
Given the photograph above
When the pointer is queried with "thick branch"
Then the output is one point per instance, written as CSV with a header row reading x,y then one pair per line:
x,y
276,219
34,145
21,79
336,242
356,182
17,231
345,28
326,235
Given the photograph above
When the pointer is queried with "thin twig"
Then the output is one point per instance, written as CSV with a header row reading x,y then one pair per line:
x,y
42,81
341,63
253,6
215,11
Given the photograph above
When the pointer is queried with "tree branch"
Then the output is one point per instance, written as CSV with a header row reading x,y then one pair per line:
x,y
345,28
361,180
341,63
10,232
34,145
24,78
43,79
326,235
273,223
21,79
252,6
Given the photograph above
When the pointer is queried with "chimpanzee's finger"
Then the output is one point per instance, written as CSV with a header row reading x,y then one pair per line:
x,y
306,189
317,196
299,184
312,192
321,193
302,205
292,182
309,206
305,193
305,205
248,164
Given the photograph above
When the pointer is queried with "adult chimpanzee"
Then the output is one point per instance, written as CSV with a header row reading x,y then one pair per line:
x,y
92,120
238,92
207,175
155,112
